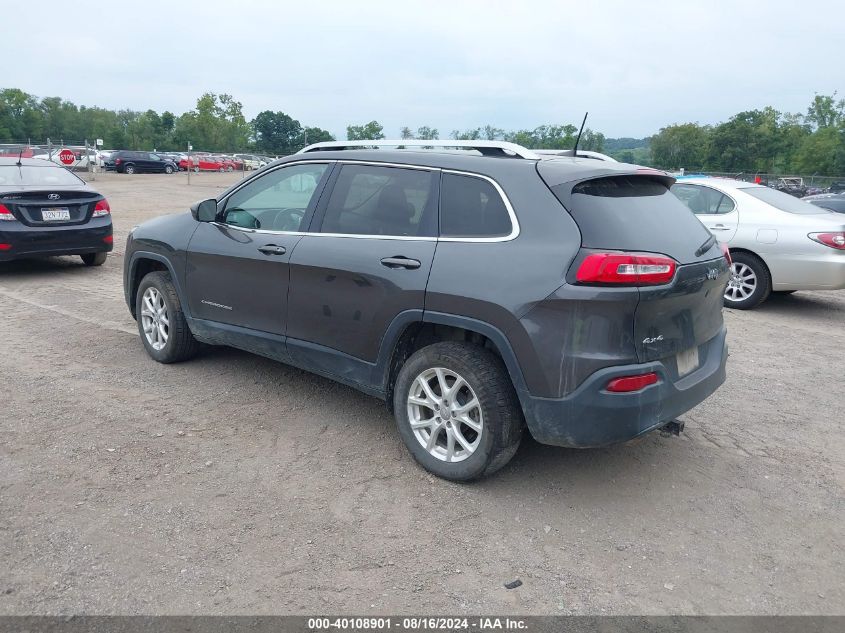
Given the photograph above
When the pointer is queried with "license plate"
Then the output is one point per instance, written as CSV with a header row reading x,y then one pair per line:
x,y
687,361
52,214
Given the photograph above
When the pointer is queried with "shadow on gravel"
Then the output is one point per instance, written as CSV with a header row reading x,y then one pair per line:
x,y
803,305
644,463
21,268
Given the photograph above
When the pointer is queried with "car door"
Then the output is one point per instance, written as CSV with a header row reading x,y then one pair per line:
x,y
366,260
716,210
237,269
154,163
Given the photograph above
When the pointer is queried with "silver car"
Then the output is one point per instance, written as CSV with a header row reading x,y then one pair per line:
x,y
778,243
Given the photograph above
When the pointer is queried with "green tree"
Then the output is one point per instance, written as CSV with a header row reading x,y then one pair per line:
x,y
677,146
427,133
317,135
278,133
368,132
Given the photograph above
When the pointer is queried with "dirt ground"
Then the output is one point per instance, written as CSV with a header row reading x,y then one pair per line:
x,y
231,484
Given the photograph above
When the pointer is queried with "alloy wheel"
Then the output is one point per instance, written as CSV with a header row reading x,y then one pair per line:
x,y
154,319
445,414
742,284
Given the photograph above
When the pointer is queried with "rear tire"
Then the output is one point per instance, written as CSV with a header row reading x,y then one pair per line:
x,y
129,169
94,259
161,323
468,442
750,283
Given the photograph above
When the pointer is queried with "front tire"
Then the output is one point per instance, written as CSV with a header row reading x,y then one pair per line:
x,y
168,169
161,323
94,259
457,411
750,283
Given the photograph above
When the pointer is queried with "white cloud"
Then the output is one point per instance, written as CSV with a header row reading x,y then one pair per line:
x,y
634,65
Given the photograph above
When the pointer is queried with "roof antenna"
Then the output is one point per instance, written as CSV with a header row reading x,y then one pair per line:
x,y
578,138
19,163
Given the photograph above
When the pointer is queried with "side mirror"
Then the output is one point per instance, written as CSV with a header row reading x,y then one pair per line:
x,y
205,211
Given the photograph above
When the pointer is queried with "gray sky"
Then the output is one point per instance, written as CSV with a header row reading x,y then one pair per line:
x,y
635,65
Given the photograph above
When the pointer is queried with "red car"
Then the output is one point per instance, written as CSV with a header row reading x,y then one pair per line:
x,y
206,162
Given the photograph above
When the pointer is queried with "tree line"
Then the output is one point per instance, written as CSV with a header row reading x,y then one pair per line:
x,y
753,141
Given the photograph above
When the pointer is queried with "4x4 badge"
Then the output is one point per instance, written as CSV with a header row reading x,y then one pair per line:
x,y
712,273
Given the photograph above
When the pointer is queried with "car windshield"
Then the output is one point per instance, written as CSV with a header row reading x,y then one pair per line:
x,y
781,200
36,176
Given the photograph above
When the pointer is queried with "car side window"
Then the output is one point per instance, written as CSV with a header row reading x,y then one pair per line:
x,y
375,200
703,200
472,207
276,201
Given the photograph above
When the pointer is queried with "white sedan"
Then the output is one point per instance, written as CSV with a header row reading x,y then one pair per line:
x,y
778,243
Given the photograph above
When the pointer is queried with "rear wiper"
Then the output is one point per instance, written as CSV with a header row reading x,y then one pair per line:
x,y
706,246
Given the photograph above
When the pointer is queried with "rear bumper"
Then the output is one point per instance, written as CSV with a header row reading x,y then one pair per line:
x,y
591,416
28,241
821,270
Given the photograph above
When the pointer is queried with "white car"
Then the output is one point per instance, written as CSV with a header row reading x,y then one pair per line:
x,y
778,243
250,162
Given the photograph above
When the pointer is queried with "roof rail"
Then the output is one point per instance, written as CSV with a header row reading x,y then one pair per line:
x,y
486,148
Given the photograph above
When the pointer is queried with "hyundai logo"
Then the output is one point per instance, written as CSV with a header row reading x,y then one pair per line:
x,y
53,196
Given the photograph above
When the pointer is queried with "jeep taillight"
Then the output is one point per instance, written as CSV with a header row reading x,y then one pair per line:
x,y
117,161
101,208
5,214
637,269
834,240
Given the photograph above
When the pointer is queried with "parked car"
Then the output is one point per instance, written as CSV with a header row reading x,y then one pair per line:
x,y
207,162
474,294
831,201
792,186
81,158
837,187
132,162
249,161
777,242
47,210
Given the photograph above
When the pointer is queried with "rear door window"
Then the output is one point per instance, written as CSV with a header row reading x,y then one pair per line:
x,y
703,200
375,200
472,207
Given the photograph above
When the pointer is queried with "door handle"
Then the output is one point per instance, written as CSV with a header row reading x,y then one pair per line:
x,y
272,249
720,227
400,262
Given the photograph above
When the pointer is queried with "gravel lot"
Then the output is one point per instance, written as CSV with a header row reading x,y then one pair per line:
x,y
232,484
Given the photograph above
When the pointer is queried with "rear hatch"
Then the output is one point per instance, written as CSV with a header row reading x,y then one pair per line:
x,y
51,207
635,216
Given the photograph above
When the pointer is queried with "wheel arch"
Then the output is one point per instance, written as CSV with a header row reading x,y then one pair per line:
x,y
748,251
143,263
411,332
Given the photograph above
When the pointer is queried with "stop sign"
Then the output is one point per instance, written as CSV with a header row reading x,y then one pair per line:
x,y
67,157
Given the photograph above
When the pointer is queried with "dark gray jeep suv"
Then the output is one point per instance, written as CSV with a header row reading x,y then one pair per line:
x,y
477,293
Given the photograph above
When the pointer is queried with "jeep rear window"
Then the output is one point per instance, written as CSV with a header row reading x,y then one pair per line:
x,y
633,213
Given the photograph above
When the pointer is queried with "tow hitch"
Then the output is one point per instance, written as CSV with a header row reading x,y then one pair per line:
x,y
675,427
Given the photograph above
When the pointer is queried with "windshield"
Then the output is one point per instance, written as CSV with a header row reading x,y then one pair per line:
x,y
30,176
782,201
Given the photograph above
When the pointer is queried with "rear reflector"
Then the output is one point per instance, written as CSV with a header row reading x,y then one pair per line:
x,y
101,208
5,214
5,247
834,240
627,384
109,239
626,268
